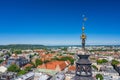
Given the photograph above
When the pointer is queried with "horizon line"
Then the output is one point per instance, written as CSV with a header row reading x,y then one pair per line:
x,y
64,44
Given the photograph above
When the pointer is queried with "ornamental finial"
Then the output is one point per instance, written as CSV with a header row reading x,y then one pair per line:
x,y
83,36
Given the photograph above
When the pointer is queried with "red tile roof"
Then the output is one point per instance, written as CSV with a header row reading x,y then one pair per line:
x,y
72,68
43,66
55,64
28,65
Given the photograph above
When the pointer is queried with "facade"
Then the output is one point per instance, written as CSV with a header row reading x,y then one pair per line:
x,y
19,61
28,76
8,76
41,76
59,76
3,69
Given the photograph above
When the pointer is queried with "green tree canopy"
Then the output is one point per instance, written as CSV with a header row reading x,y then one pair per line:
x,y
114,62
64,49
21,72
104,60
18,51
68,58
13,68
55,58
46,61
38,62
94,67
99,76
27,69
1,61
101,61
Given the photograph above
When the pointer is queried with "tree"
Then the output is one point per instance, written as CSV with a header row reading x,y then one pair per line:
x,y
94,67
8,53
32,64
67,58
55,58
27,69
64,49
13,68
101,61
99,76
104,60
21,72
114,62
18,51
38,62
46,61
52,51
1,61
71,53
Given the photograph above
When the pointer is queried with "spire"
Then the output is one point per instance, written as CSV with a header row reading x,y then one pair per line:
x,y
83,23
83,36
83,28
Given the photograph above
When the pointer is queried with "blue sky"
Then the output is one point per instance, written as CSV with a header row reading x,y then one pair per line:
x,y
59,22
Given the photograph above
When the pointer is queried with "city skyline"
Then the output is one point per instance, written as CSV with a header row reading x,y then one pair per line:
x,y
59,22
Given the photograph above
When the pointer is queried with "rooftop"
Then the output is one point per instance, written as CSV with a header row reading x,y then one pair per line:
x,y
26,76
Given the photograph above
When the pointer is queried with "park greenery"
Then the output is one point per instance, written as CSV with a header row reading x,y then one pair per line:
x,y
46,61
99,76
17,51
15,68
102,61
1,61
114,62
66,58
21,72
69,53
21,46
64,49
27,69
8,53
95,67
38,62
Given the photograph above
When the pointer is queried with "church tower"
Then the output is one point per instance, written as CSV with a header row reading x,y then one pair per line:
x,y
83,65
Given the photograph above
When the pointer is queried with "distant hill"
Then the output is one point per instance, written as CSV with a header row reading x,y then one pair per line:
x,y
30,46
21,46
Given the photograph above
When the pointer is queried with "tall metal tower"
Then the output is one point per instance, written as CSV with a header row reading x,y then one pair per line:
x,y
83,65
